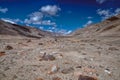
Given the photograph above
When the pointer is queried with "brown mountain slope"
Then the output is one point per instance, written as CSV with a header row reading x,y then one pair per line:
x,y
109,27
18,30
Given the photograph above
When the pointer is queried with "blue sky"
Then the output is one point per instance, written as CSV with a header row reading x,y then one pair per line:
x,y
61,16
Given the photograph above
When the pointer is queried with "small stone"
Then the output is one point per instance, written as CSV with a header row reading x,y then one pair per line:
x,y
40,43
2,54
60,56
67,70
39,79
113,48
89,70
79,67
107,71
84,54
81,77
101,66
48,57
53,70
97,74
8,47
86,59
56,78
29,41
91,59
76,74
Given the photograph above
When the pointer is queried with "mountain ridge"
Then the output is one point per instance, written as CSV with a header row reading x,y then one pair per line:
x,y
18,30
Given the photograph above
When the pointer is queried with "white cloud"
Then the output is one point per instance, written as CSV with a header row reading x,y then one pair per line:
x,y
17,20
104,13
41,27
89,17
8,20
64,32
39,17
50,10
117,11
48,22
107,13
100,1
34,18
88,23
68,32
13,21
3,10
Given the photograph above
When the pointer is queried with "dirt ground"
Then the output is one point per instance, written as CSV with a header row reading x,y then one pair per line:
x,y
58,59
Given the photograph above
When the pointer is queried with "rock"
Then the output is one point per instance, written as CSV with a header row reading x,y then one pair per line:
x,y
79,67
113,48
92,67
29,41
101,66
86,59
48,57
67,70
56,78
77,73
8,47
89,70
84,54
56,40
107,71
82,77
2,54
39,79
60,56
53,69
40,43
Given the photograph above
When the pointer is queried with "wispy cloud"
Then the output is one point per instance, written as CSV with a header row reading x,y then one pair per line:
x,y
50,9
63,31
107,13
88,23
3,10
8,20
34,18
13,21
89,17
117,11
101,1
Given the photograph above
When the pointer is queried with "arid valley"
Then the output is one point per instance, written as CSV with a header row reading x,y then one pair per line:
x,y
91,53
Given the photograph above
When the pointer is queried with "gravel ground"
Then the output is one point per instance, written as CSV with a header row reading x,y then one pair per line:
x,y
61,59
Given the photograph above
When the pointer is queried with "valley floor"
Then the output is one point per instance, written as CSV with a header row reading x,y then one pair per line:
x,y
58,59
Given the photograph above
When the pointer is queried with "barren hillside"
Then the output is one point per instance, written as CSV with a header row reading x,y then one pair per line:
x,y
109,27
18,30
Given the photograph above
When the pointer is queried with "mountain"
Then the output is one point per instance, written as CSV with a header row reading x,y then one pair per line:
x,y
18,30
107,28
